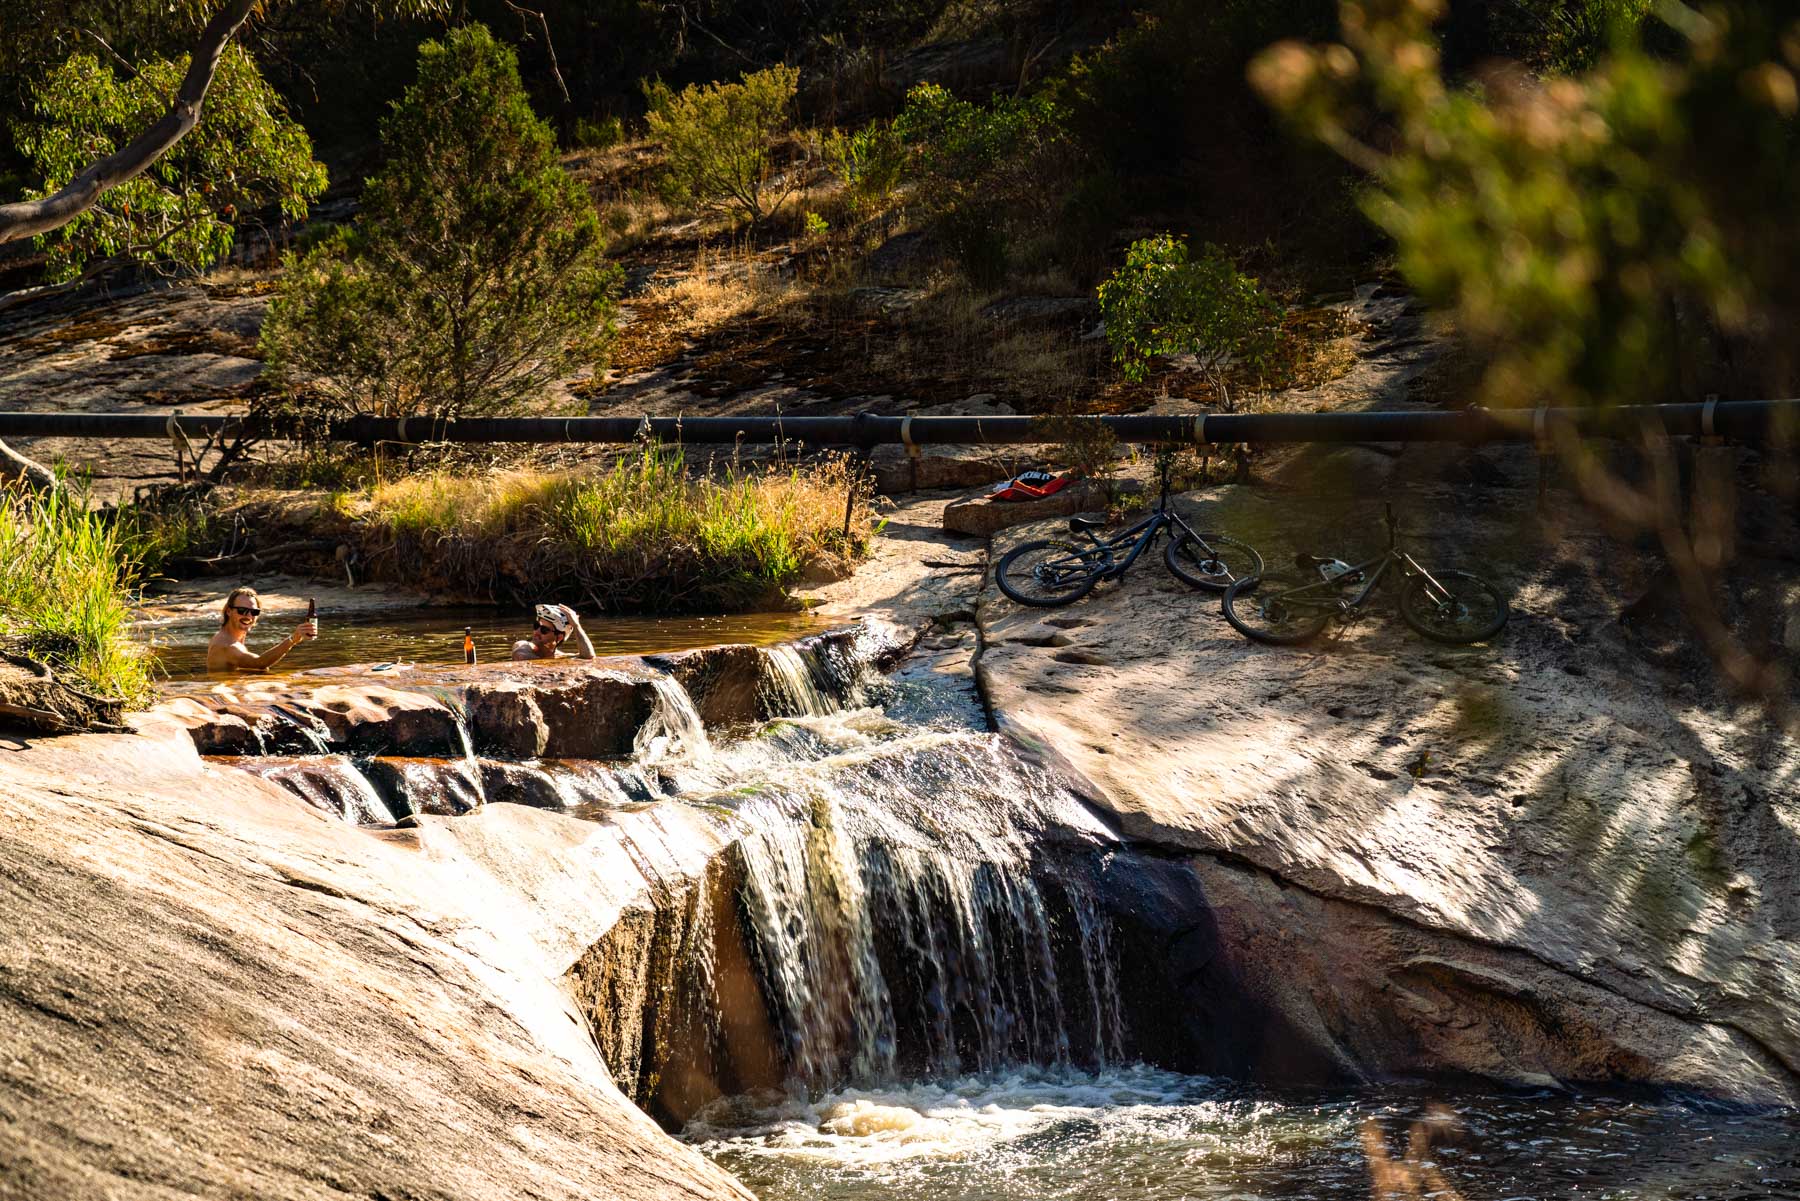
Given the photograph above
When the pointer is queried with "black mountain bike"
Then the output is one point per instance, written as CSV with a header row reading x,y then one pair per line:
x,y
1448,606
1057,571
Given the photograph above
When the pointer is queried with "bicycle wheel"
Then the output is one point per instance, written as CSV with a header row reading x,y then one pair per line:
x,y
1049,573
1215,562
1468,609
1260,608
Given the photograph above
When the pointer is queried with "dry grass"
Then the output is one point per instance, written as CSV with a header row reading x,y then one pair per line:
x,y
723,286
641,535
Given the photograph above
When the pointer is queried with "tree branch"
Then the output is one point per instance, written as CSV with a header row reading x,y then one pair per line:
x,y
26,218
549,46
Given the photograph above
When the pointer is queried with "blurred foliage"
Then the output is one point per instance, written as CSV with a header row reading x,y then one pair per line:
x,y
1161,302
1611,236
474,275
244,154
719,139
983,172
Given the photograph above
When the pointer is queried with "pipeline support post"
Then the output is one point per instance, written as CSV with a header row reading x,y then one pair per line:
x,y
864,429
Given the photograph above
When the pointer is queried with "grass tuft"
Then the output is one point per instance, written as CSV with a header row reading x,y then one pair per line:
x,y
65,574
642,535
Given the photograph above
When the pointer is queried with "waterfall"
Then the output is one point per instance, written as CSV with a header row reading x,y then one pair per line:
x,y
910,903
674,726
789,685
884,956
328,782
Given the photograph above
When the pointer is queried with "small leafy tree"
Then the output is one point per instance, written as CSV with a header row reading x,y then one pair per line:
x,y
1161,302
244,155
982,171
475,274
719,138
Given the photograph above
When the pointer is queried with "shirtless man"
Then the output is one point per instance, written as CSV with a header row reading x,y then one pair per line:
x,y
227,652
552,627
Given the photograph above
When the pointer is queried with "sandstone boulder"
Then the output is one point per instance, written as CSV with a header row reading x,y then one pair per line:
x,y
981,516
213,991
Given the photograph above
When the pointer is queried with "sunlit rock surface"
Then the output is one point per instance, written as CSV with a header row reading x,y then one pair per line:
x,y
209,989
1560,858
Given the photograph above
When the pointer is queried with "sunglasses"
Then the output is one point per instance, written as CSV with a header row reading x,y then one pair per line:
x,y
242,611
542,629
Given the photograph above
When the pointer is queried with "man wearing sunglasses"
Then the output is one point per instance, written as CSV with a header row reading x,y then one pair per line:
x,y
554,625
228,650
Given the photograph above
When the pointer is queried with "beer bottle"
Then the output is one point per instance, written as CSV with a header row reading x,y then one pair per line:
x,y
468,644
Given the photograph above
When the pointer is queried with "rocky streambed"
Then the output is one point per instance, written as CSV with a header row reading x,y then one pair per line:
x,y
467,932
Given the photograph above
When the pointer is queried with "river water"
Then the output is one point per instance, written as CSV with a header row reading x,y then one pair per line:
x,y
435,636
1142,1134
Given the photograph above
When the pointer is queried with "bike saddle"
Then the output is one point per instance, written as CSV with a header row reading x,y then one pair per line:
x,y
1304,560
1082,521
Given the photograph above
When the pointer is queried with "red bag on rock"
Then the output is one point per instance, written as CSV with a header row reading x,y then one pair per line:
x,y
1029,485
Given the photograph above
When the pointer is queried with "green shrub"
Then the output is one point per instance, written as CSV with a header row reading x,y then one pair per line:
x,y
981,172
597,133
475,274
719,136
64,579
1162,303
870,161
244,155
1595,234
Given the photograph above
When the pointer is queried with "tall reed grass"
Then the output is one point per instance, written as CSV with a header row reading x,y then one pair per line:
x,y
65,577
643,535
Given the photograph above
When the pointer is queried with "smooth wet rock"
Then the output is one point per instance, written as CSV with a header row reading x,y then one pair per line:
x,y
595,717
724,682
444,787
505,719
520,784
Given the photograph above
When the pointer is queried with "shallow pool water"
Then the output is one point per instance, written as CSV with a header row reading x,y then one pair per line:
x,y
1141,1134
434,636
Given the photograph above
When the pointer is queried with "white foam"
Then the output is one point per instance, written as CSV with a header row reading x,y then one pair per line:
x,y
864,1128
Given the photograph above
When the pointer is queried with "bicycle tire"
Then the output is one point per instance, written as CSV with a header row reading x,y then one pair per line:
x,y
1027,582
1249,608
1214,572
1475,612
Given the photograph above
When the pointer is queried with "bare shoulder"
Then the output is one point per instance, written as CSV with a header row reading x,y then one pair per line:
x,y
224,652
523,649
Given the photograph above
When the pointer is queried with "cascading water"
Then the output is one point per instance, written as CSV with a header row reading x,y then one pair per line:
x,y
790,685
674,726
328,782
901,908
926,970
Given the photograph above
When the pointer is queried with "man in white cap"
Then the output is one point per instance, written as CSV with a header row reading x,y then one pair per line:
x,y
550,629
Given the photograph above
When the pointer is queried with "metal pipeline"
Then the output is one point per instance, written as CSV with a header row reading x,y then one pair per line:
x,y
1740,420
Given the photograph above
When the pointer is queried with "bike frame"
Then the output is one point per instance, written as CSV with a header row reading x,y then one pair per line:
x,y
1373,570
1144,533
